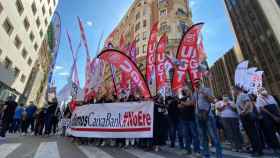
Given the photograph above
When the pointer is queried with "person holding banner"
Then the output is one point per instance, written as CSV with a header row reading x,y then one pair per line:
x,y
173,120
159,124
203,98
249,120
270,113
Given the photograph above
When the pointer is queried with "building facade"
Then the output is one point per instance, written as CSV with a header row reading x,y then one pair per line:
x,y
24,25
257,27
221,78
173,17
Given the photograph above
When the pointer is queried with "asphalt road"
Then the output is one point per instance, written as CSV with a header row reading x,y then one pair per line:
x,y
60,147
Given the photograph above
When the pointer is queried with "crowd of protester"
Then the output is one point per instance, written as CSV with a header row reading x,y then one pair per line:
x,y
193,121
28,119
196,120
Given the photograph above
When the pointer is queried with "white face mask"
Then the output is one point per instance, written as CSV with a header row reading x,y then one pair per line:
x,y
264,92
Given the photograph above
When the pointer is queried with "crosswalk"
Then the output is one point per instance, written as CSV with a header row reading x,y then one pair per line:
x,y
52,150
55,149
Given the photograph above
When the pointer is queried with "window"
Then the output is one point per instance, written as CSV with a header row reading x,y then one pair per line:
x,y
145,11
35,46
16,71
31,36
41,33
137,38
46,22
54,2
1,8
50,11
163,12
182,26
137,50
144,23
144,35
24,53
38,23
19,6
164,27
1,51
22,78
29,62
43,10
26,24
137,27
17,42
7,25
144,48
8,63
33,7
181,12
162,2
137,15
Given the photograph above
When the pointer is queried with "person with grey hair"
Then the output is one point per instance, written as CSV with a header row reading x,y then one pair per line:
x,y
8,115
230,121
270,113
203,98
249,120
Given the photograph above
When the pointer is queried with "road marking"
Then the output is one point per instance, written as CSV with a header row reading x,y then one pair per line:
x,y
47,149
93,152
6,149
239,155
141,153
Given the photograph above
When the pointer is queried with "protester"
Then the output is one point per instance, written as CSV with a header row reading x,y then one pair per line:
x,y
40,118
270,113
159,110
188,128
173,120
206,122
219,123
52,106
8,114
31,111
17,118
230,121
24,122
249,120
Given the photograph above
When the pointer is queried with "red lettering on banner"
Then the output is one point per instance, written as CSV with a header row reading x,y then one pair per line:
x,y
140,118
136,119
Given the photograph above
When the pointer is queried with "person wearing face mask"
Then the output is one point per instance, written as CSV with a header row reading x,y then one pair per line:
x,y
230,122
249,121
270,113
203,98
187,125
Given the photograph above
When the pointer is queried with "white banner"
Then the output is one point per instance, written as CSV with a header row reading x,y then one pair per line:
x,y
113,120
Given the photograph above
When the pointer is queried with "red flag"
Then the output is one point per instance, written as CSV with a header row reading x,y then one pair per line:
x,y
186,50
124,77
72,105
150,60
88,60
122,61
160,62
122,44
132,54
